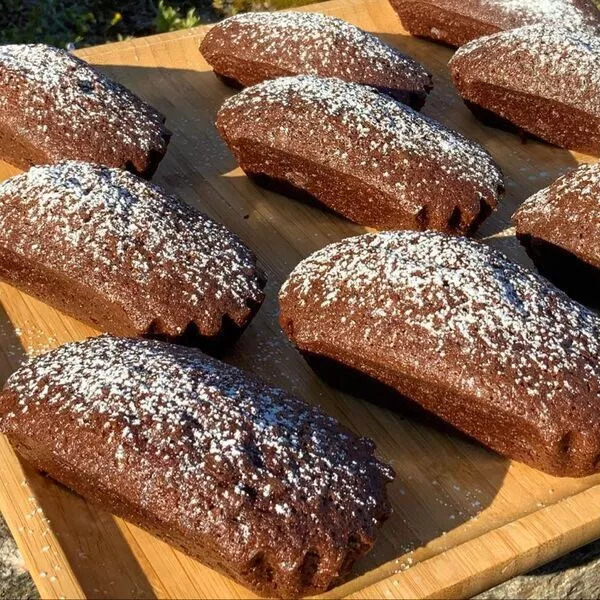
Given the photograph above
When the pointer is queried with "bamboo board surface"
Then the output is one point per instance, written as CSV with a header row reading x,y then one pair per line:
x,y
464,518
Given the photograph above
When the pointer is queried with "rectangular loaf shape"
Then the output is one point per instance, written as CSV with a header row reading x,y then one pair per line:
x,y
488,346
243,477
55,106
119,253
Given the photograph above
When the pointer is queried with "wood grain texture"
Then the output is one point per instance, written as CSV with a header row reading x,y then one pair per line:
x,y
464,519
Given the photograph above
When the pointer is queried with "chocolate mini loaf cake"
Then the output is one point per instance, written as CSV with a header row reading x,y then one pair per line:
x,y
243,477
456,22
539,80
560,229
249,48
488,346
362,154
54,107
115,251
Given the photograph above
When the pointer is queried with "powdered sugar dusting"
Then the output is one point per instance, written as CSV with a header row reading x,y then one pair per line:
x,y
553,63
128,239
513,337
85,105
202,447
561,13
566,214
308,42
583,181
390,132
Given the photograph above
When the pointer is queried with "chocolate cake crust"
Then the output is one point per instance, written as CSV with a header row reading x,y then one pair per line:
x,y
55,106
117,252
543,80
560,229
243,477
492,348
362,154
457,22
249,48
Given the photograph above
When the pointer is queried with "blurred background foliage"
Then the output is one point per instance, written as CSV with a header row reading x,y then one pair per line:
x,y
88,22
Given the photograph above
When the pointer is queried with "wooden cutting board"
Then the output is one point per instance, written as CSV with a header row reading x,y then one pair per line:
x,y
464,518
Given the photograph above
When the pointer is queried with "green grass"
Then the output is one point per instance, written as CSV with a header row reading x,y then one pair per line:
x,y
88,22
232,7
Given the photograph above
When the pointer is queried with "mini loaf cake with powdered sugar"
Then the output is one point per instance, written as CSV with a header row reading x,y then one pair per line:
x,y
456,22
54,107
243,477
560,229
540,80
483,343
249,48
362,154
117,252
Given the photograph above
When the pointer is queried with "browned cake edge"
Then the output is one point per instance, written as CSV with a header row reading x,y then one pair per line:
x,y
530,116
462,413
578,278
432,22
84,304
52,456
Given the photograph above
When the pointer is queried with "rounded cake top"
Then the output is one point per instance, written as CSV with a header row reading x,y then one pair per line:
x,y
81,95
372,132
567,213
207,447
430,300
127,236
575,15
308,42
548,62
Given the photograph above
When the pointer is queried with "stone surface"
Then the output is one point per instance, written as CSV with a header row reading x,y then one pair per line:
x,y
15,581
575,576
